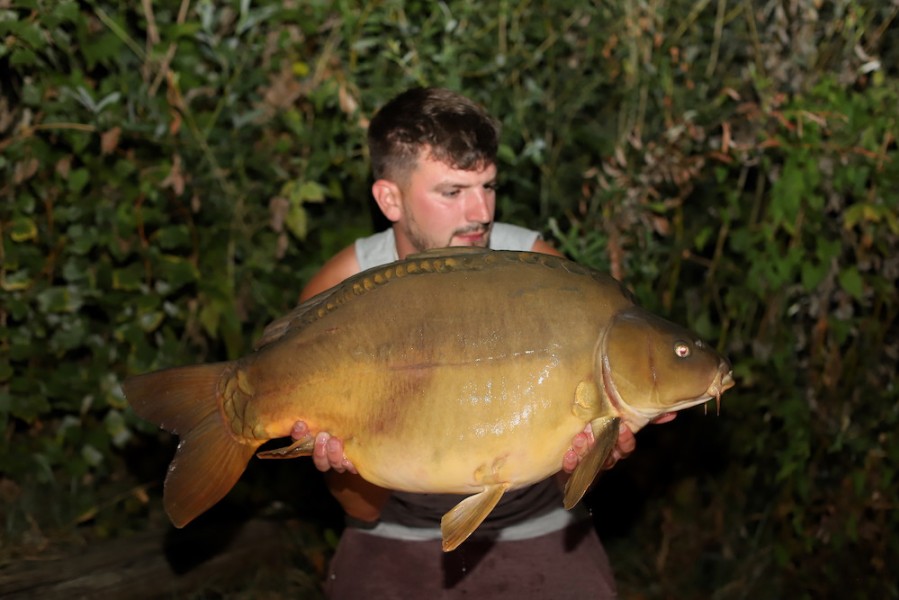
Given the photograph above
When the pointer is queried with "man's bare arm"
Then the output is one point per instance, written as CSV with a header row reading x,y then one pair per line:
x,y
339,267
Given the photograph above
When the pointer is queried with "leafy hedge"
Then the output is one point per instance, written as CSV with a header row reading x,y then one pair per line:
x,y
174,171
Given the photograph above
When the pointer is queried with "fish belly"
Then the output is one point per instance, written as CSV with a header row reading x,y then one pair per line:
x,y
465,432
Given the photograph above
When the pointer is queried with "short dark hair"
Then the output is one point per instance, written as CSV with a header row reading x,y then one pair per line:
x,y
458,132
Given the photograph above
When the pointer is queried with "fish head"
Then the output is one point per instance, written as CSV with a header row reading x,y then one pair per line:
x,y
651,366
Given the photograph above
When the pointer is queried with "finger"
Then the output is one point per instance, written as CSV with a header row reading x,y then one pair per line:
x,y
664,418
334,450
613,458
588,431
624,446
570,461
580,445
299,430
320,452
626,443
337,458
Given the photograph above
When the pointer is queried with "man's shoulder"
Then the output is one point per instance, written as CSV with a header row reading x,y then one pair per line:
x,y
335,270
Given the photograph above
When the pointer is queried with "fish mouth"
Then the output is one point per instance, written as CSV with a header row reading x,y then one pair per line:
x,y
724,380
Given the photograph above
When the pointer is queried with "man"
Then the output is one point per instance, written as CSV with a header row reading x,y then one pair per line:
x,y
433,157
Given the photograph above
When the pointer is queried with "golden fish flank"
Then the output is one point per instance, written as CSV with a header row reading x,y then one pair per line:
x,y
480,365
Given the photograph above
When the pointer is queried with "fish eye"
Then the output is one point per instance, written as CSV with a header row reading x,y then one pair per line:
x,y
682,349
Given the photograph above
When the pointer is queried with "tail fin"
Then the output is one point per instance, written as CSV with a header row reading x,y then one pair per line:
x,y
209,459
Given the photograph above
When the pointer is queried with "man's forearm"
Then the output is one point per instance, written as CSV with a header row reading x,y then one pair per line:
x,y
360,499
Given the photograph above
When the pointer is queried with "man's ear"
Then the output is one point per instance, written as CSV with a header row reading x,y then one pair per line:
x,y
389,198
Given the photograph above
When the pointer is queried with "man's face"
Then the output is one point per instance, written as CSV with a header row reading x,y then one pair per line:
x,y
443,206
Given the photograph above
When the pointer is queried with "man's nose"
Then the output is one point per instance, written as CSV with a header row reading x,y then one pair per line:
x,y
479,206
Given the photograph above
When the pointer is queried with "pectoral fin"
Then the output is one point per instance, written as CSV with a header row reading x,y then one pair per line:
x,y
464,518
605,432
301,447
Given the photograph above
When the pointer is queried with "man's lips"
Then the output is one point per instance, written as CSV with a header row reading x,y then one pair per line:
x,y
471,237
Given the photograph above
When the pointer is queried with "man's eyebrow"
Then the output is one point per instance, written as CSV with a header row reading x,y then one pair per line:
x,y
453,184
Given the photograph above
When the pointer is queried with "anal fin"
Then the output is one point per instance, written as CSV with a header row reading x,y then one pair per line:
x,y
464,518
605,432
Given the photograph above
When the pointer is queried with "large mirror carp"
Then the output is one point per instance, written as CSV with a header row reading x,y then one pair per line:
x,y
462,370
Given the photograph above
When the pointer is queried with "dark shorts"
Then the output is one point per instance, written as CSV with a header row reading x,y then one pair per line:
x,y
570,563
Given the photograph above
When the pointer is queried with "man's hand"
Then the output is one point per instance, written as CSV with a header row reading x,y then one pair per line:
x,y
328,451
626,444
358,498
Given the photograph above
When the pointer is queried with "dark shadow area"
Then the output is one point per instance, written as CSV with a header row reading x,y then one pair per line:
x,y
691,445
279,491
574,536
207,536
465,559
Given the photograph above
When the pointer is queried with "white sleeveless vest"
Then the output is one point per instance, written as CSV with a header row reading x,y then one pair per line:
x,y
380,248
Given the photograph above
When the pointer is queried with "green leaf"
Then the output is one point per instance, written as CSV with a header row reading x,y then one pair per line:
x,y
28,407
787,194
23,229
66,10
702,237
91,455
130,278
210,316
102,48
177,236
297,221
81,240
68,335
78,178
117,428
177,271
23,57
59,300
28,32
76,270
149,322
827,249
851,281
311,191
813,275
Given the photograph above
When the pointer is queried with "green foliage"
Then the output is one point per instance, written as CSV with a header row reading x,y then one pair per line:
x,y
154,214
171,178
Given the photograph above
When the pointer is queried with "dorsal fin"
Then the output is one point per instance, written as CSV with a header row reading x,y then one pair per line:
x,y
447,251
